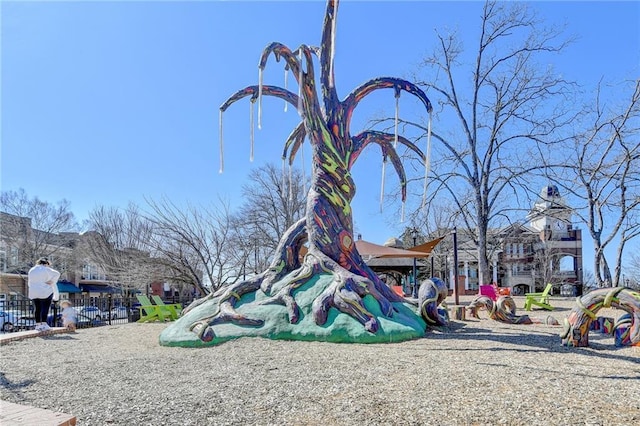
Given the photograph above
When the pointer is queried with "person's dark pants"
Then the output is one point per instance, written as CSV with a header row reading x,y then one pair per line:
x,y
42,308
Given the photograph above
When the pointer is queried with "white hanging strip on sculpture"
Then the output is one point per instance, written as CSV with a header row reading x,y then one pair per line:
x,y
260,72
290,182
304,174
300,76
384,165
251,131
221,144
427,163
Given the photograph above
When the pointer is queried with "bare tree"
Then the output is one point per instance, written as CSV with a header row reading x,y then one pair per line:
x,y
503,103
546,263
197,245
605,178
589,280
633,272
273,202
119,242
33,227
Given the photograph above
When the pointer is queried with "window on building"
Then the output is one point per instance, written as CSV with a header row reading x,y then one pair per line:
x,y
13,256
566,263
92,272
86,271
520,269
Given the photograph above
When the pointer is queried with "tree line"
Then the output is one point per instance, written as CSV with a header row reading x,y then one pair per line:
x,y
187,245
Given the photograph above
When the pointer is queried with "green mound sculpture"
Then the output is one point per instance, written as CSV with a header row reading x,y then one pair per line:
x,y
338,328
330,294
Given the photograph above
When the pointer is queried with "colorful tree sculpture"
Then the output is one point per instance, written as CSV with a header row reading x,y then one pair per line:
x,y
327,229
578,324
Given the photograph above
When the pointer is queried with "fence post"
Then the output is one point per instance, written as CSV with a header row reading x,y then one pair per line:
x,y
109,307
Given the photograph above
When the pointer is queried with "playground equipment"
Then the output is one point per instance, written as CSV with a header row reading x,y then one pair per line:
x,y
492,291
622,330
627,328
504,310
431,296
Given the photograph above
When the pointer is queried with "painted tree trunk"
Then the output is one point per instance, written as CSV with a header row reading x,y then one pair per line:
x,y
329,216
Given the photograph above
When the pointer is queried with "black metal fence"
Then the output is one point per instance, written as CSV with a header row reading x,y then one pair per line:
x,y
18,314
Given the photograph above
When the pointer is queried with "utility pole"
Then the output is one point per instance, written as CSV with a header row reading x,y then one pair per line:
x,y
455,266
414,234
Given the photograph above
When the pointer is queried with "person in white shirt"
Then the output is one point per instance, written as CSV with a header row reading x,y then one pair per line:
x,y
43,288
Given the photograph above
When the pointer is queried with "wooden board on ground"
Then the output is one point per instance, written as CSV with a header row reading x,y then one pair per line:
x,y
21,415
19,335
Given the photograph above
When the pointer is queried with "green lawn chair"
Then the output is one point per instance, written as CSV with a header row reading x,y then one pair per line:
x,y
538,299
174,308
150,312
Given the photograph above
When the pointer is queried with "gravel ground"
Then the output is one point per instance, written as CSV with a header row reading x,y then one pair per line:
x,y
477,372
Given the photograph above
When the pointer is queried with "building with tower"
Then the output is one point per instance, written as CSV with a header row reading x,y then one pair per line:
x,y
524,256
558,249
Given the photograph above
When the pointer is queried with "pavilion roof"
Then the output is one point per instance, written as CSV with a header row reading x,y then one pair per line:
x,y
428,246
370,250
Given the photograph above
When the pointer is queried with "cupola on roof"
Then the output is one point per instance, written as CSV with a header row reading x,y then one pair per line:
x,y
549,191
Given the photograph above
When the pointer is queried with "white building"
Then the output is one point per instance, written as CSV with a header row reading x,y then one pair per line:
x,y
523,257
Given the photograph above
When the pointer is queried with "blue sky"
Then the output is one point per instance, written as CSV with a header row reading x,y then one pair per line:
x,y
111,102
